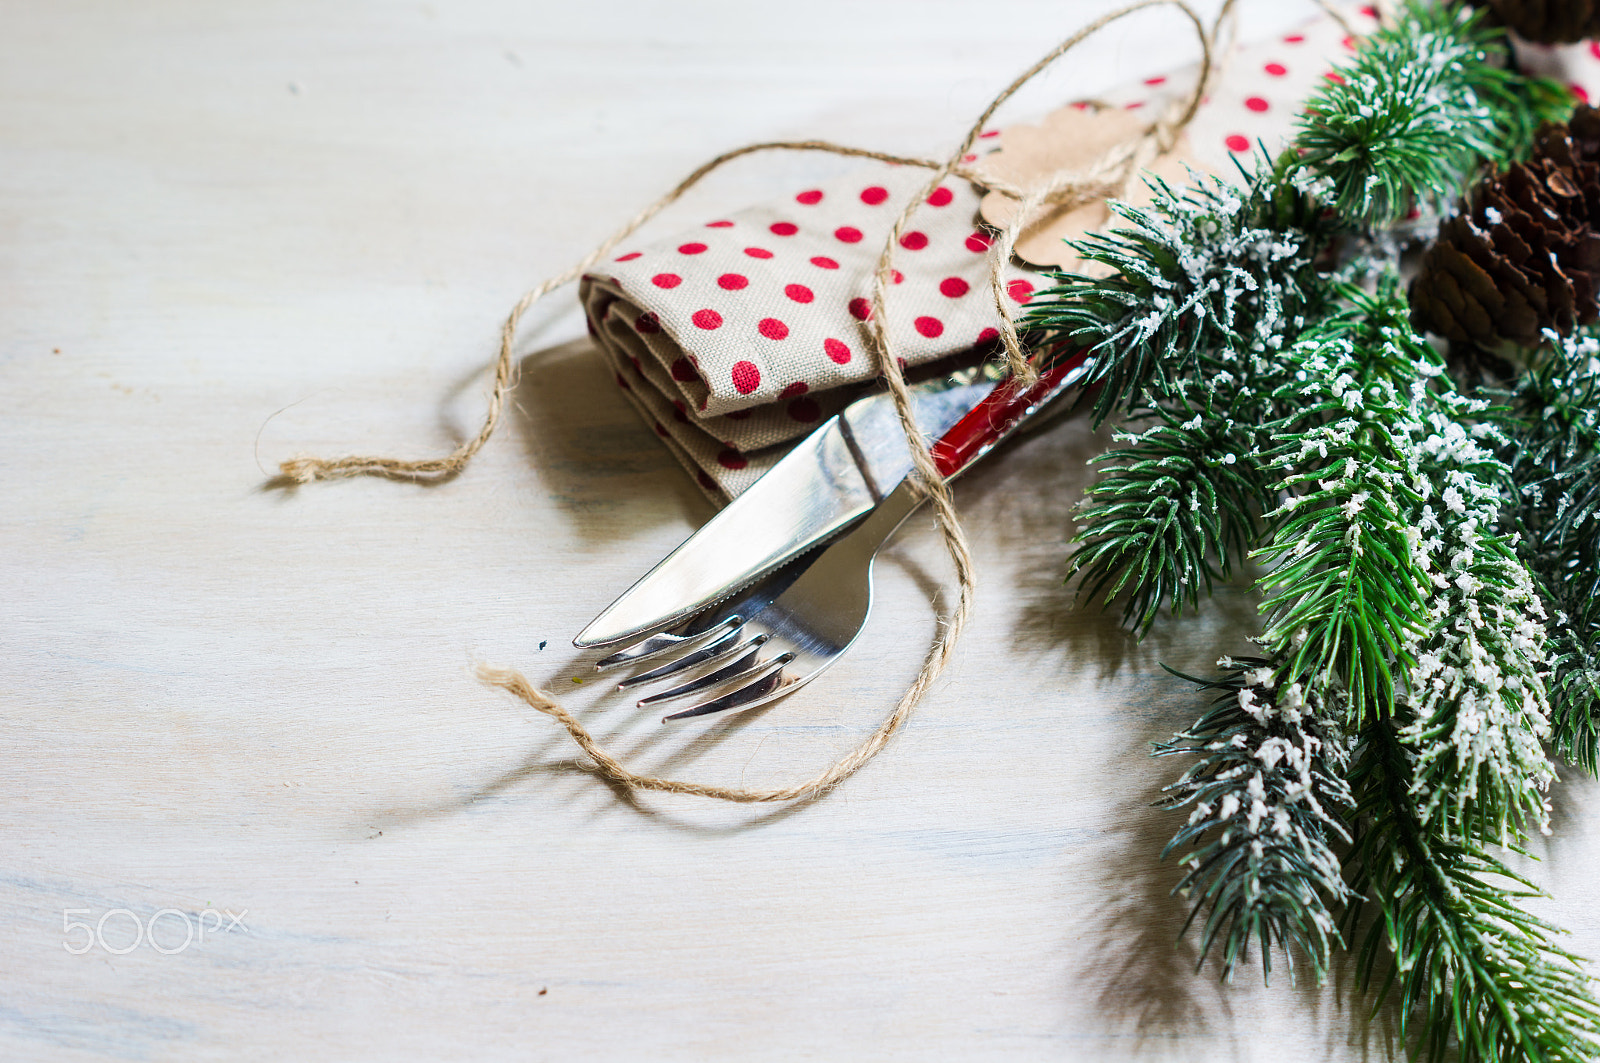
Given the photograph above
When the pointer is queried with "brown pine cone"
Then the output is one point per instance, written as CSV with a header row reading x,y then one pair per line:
x,y
1525,256
1548,21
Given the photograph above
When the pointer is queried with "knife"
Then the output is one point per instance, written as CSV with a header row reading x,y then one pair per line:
x,y
825,484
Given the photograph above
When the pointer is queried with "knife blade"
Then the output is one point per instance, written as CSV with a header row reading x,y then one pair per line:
x,y
824,485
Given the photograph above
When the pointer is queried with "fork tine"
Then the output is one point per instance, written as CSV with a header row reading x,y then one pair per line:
x,y
767,682
733,611
728,672
656,645
722,646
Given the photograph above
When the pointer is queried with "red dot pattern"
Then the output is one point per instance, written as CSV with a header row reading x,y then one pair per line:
x,y
782,367
793,321
746,377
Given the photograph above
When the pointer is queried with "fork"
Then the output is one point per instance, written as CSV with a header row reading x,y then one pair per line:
x,y
791,627
816,607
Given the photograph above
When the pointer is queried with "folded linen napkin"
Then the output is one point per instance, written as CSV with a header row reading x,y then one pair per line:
x,y
740,336
735,338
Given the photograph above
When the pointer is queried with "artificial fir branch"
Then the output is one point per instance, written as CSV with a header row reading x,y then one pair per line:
x,y
1219,268
1468,962
1345,596
1476,682
1424,101
1180,504
1174,510
1395,600
1396,610
1553,452
1204,270
1269,800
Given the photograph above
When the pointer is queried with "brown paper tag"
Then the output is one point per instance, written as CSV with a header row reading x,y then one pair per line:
x,y
1072,139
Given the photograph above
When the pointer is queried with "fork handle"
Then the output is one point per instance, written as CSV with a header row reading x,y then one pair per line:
x,y
993,419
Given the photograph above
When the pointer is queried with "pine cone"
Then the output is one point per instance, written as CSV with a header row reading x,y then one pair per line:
x,y
1525,256
1548,21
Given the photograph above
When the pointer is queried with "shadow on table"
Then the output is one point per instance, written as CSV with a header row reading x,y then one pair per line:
x,y
630,734
603,468
1142,967
1027,502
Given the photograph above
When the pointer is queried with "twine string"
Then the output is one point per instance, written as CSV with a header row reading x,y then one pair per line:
x,y
1066,189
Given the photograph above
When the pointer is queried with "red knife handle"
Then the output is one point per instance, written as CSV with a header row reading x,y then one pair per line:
x,y
990,420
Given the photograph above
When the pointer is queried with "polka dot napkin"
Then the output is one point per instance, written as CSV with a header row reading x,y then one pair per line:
x,y
737,337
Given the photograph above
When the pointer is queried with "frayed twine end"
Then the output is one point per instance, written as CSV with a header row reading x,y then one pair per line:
x,y
303,470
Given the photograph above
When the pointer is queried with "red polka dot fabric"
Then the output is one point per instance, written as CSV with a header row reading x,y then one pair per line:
x,y
738,337
1259,99
1576,66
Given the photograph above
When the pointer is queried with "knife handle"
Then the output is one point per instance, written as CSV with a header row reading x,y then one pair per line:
x,y
992,420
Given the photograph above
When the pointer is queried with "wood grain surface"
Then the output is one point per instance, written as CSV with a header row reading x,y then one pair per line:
x,y
232,233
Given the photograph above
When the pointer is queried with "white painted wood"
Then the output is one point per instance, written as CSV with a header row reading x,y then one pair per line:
x,y
231,233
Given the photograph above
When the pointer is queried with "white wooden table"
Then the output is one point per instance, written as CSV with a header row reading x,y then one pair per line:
x,y
232,233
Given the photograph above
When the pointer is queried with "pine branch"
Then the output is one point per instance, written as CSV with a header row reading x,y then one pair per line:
x,y
1424,101
1268,801
1469,963
1378,592
1477,685
1554,458
1207,273
1174,510
1347,598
